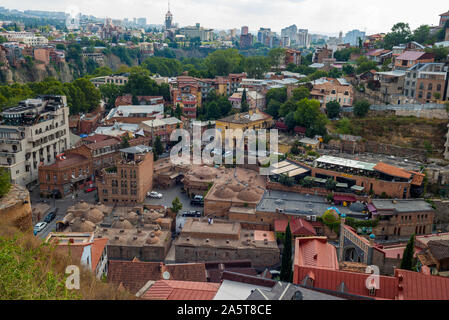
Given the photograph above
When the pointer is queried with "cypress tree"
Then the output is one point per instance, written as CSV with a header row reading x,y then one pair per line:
x,y
407,258
286,266
244,103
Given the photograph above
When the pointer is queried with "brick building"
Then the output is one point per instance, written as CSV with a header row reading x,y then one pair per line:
x,y
321,54
130,179
68,173
221,240
402,218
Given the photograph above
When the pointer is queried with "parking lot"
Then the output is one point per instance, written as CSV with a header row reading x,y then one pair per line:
x,y
61,204
168,195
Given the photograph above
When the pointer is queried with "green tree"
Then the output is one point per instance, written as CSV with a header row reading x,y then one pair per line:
x,y
5,181
348,70
440,52
300,93
278,94
109,93
333,109
286,266
400,34
421,34
125,142
244,102
178,111
277,57
158,147
224,62
361,108
273,108
176,205
407,257
256,66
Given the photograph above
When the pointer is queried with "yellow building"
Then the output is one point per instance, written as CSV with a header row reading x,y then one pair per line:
x,y
248,120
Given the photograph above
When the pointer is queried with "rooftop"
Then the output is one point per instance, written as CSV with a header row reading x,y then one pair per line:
x,y
181,290
402,206
133,275
316,252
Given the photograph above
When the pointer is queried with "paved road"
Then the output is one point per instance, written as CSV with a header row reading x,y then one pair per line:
x,y
61,204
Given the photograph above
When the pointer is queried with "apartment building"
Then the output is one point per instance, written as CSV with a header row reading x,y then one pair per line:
x,y
128,182
329,89
427,82
410,58
33,134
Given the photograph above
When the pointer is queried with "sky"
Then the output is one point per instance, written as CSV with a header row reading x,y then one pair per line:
x,y
319,16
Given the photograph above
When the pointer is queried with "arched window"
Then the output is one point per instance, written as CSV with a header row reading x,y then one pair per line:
x,y
430,86
438,87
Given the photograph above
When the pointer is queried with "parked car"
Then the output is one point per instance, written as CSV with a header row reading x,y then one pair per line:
x,y
192,214
154,194
90,189
50,216
197,201
39,227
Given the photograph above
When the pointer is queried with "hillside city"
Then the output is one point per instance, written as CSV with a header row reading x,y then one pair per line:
x,y
355,205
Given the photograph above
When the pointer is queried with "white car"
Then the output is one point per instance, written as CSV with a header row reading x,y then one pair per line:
x,y
39,227
154,194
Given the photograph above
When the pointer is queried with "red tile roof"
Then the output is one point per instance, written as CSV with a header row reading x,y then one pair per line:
x,y
418,286
135,274
181,290
315,252
392,170
298,227
98,138
97,250
354,283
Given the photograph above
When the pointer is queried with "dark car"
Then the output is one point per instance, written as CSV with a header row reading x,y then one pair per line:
x,y
191,214
197,201
50,216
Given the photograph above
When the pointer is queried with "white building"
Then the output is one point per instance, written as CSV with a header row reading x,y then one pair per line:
x,y
32,134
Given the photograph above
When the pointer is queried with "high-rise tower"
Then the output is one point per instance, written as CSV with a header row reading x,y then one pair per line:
x,y
168,18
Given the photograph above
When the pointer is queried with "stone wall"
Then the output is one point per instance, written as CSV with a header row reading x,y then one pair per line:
x,y
15,208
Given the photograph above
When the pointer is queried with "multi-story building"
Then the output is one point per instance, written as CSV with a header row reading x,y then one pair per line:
x,y
162,128
186,92
426,82
68,173
329,89
402,218
444,17
303,38
33,134
128,182
321,54
353,37
197,32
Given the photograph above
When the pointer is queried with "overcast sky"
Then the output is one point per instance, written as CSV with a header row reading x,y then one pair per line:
x,y
324,16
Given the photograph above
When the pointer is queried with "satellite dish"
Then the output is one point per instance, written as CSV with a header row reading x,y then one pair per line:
x,y
166,275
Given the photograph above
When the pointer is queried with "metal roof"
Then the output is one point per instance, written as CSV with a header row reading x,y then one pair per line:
x,y
347,163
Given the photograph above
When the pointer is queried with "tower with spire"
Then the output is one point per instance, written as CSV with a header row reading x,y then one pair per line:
x,y
168,18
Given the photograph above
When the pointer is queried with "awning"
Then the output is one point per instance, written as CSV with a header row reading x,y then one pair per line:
x,y
371,208
297,172
357,188
342,185
319,180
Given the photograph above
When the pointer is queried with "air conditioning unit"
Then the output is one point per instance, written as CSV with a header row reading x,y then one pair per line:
x,y
281,210
313,218
309,218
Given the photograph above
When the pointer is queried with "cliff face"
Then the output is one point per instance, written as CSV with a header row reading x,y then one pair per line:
x,y
64,72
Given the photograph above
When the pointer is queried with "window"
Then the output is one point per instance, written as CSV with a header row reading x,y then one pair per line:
x,y
429,95
430,87
439,87
421,86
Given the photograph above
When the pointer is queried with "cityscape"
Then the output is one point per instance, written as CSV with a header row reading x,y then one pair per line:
x,y
151,160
